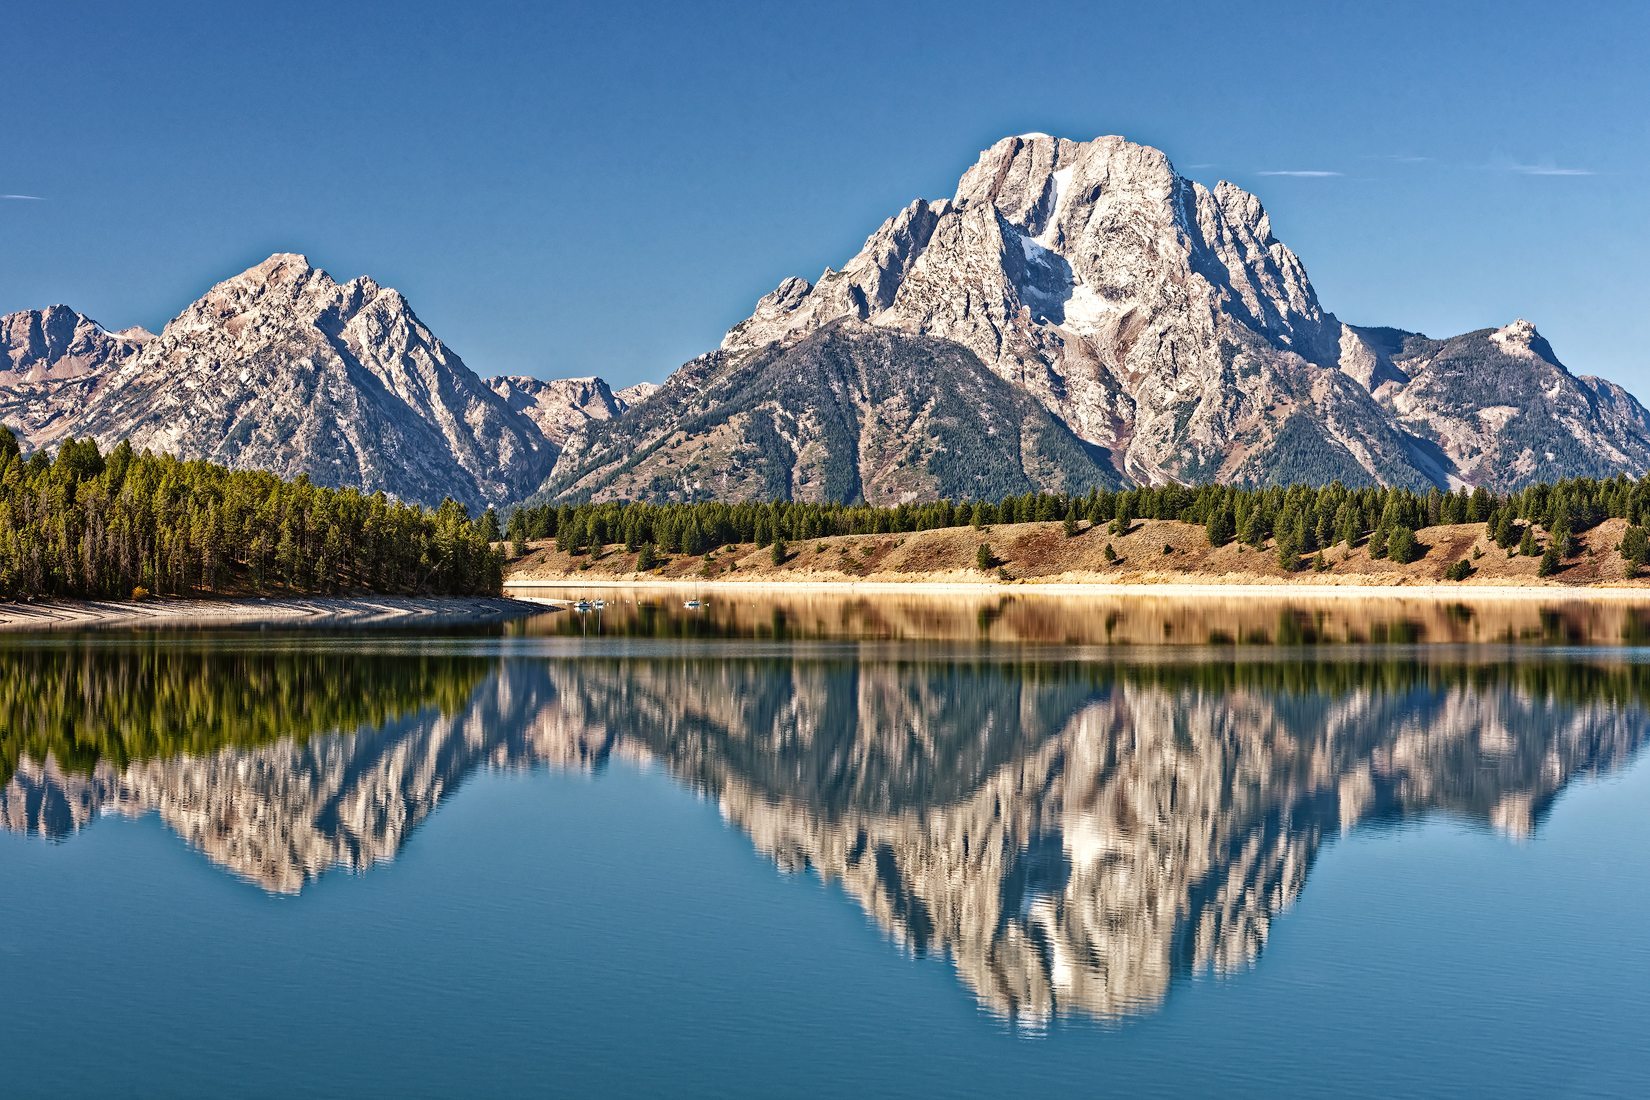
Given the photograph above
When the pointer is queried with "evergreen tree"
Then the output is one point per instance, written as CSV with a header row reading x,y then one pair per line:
x,y
1401,546
87,525
1219,527
1635,548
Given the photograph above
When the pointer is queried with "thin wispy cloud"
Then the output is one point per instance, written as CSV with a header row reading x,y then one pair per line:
x,y
1300,173
1546,166
1549,170
1398,158
24,198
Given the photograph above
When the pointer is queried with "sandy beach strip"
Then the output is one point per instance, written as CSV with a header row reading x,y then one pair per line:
x,y
1198,589
272,611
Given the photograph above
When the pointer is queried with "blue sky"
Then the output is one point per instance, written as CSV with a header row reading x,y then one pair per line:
x,y
573,189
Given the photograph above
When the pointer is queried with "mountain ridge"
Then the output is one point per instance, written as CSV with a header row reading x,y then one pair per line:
x,y
1178,338
1159,323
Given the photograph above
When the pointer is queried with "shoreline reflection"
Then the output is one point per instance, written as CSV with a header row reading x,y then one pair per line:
x,y
1074,836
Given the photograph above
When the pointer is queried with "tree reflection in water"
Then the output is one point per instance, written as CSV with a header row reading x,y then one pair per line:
x,y
1074,834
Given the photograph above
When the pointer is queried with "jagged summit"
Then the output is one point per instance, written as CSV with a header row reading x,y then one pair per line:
x,y
57,342
1167,326
283,367
52,363
1521,338
559,406
1159,329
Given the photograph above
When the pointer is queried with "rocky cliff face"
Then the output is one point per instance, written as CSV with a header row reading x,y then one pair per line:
x,y
52,362
1077,313
1074,839
1501,407
283,368
559,406
848,412
1165,324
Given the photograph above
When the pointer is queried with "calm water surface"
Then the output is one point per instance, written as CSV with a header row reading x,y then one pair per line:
x,y
834,845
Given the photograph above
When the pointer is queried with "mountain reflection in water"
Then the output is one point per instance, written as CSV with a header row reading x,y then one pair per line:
x,y
1073,834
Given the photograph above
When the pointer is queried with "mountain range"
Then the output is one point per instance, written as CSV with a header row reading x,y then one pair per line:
x,y
1077,314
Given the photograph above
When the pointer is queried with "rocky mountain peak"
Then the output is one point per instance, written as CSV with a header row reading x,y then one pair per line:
x,y
1163,322
1521,339
284,368
282,267
52,362
1116,292
57,343
1028,178
559,406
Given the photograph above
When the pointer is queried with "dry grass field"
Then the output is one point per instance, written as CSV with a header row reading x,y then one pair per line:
x,y
1151,552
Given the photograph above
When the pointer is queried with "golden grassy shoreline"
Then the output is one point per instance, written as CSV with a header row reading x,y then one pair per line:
x,y
1161,558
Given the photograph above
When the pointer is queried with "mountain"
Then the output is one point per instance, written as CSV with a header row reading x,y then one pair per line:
x,y
285,369
559,406
1076,314
282,368
52,361
637,393
1161,321
849,412
1502,408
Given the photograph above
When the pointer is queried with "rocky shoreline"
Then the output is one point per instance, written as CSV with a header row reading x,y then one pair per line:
x,y
272,611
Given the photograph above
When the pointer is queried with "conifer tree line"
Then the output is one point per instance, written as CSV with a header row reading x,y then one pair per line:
x,y
78,703
1295,520
84,524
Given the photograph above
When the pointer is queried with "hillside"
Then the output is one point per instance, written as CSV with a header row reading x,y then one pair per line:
x,y
1153,552
850,412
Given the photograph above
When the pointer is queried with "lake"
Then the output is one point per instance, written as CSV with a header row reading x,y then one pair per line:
x,y
835,844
